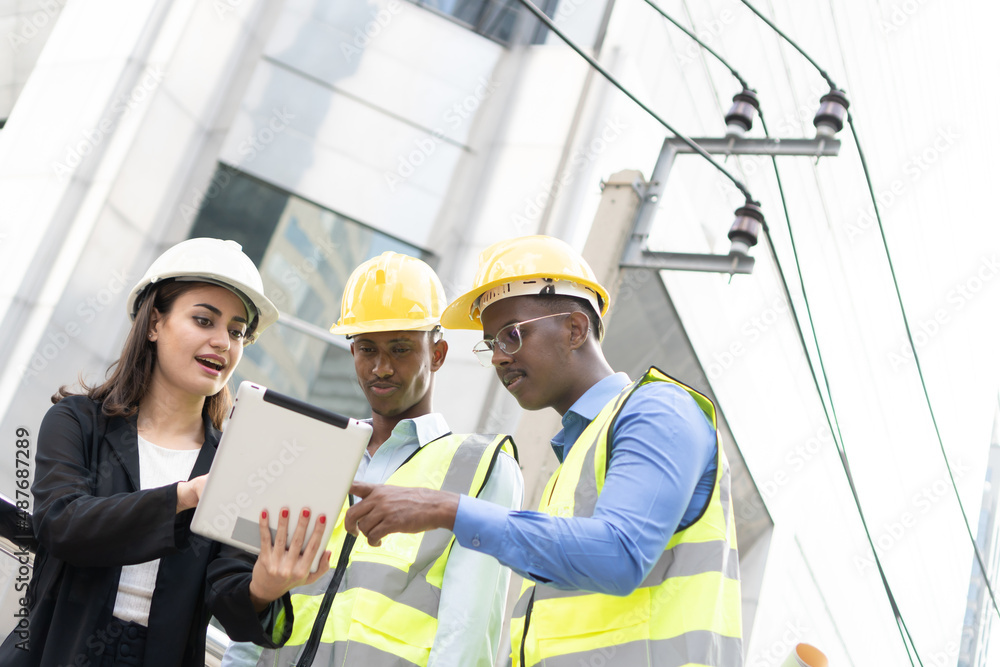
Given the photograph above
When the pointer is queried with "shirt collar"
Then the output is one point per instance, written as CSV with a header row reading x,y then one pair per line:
x,y
585,409
594,399
429,427
423,429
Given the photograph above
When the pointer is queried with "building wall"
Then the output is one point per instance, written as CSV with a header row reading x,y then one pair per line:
x,y
25,26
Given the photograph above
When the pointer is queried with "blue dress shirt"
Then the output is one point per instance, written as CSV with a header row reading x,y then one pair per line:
x,y
659,478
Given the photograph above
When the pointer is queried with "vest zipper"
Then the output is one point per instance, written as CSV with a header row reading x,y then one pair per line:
x,y
527,622
312,644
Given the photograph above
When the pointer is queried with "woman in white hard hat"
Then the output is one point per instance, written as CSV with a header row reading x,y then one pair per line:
x,y
119,579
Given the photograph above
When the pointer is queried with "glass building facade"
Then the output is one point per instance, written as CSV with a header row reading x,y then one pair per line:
x,y
305,254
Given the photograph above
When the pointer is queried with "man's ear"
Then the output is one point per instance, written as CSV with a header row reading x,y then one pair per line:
x,y
439,352
579,329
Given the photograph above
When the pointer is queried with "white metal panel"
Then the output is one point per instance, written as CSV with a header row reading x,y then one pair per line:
x,y
399,58
342,154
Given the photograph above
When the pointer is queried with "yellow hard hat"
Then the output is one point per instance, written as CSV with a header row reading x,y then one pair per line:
x,y
524,266
391,292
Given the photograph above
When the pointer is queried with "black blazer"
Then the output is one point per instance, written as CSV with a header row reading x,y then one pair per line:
x,y
90,519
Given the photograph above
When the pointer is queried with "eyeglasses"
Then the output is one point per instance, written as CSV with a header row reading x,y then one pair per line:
x,y
508,339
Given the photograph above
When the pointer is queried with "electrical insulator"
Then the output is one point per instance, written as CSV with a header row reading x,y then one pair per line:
x,y
745,229
739,120
829,119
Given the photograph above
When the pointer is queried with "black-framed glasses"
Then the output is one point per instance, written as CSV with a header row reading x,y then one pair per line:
x,y
508,339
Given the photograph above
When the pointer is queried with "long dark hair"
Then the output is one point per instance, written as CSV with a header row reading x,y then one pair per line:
x,y
132,374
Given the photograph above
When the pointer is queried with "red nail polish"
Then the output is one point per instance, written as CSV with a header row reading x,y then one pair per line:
x,y
305,514
284,513
322,518
263,514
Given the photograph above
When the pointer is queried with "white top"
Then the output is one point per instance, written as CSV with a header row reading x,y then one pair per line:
x,y
158,466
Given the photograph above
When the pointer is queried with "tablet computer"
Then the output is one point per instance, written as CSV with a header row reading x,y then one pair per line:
x,y
277,451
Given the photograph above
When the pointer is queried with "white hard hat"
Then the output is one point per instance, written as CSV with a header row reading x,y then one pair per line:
x,y
213,261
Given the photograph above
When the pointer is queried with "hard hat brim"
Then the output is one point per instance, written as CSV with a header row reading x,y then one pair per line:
x,y
267,313
380,326
458,314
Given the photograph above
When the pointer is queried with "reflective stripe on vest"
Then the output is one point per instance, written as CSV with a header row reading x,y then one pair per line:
x,y
687,611
385,610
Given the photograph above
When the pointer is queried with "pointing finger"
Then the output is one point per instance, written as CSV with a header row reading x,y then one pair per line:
x,y
354,515
362,489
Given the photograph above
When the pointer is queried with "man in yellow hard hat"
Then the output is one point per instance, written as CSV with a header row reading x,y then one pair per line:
x,y
631,558
416,599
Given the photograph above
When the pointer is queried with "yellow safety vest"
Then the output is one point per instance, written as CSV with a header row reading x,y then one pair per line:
x,y
385,609
688,609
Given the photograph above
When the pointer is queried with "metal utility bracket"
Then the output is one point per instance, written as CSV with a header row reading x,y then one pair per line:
x,y
636,255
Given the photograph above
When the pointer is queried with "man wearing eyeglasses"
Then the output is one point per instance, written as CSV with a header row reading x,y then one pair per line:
x,y
631,558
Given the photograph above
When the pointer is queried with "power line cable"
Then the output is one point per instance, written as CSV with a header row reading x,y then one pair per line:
x,y
916,360
899,298
700,43
834,425
541,16
830,412
822,72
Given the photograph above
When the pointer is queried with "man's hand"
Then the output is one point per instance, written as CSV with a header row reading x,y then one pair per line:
x,y
386,509
279,568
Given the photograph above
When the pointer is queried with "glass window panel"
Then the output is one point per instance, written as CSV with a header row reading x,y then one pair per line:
x,y
305,254
495,19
